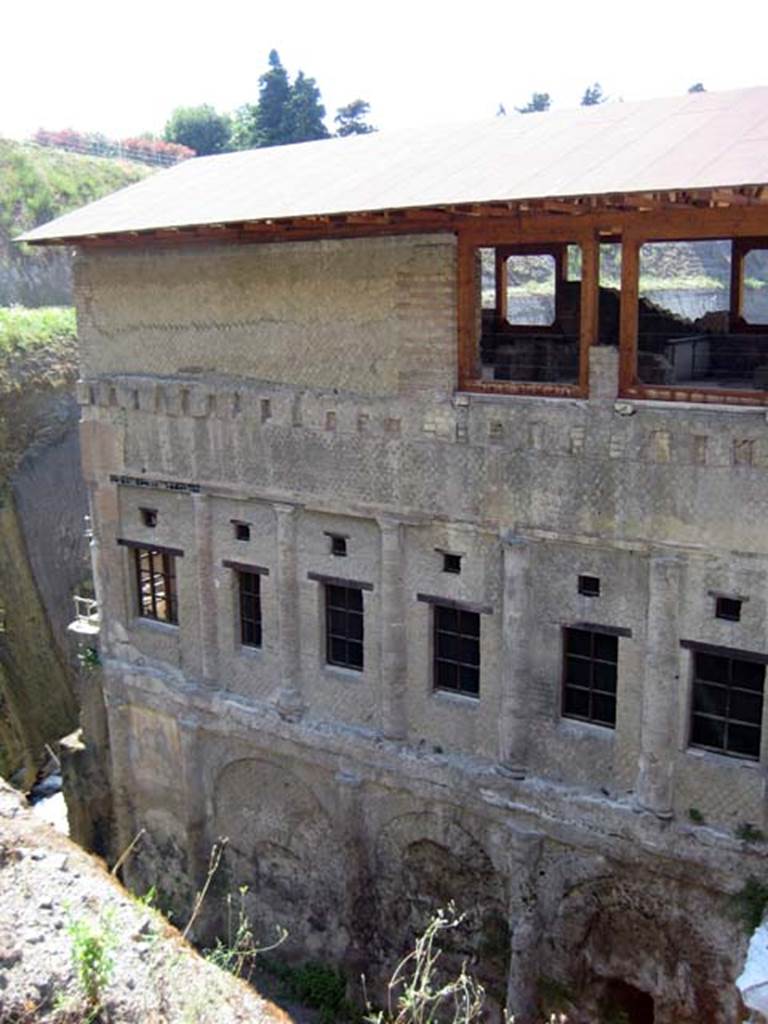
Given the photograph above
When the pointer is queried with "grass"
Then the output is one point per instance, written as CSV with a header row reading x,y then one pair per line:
x,y
37,183
22,329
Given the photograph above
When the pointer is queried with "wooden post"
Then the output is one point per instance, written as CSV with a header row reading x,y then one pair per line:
x,y
630,294
589,325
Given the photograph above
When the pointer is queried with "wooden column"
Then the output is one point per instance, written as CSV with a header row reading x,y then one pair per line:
x,y
628,321
394,656
658,736
515,672
289,698
589,319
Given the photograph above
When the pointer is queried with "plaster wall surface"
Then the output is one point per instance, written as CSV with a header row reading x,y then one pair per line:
x,y
306,389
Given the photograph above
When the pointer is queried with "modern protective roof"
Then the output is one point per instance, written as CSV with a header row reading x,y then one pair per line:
x,y
695,141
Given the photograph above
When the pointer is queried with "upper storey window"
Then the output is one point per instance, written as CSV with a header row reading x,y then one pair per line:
x,y
523,331
699,328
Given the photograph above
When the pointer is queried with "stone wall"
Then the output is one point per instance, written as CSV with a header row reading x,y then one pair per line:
x,y
353,801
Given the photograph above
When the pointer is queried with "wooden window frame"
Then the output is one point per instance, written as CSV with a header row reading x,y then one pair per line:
x,y
566,683
469,296
632,240
730,656
439,630
250,625
148,594
346,635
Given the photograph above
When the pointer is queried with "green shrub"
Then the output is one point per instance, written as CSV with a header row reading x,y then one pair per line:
x,y
92,945
750,902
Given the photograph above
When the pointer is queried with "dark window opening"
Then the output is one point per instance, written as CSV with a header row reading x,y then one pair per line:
x,y
589,586
727,706
338,545
344,626
728,608
156,584
456,655
590,660
451,563
703,305
528,317
242,530
249,596
149,517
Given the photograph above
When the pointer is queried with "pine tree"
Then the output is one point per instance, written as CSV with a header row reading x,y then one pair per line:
x,y
351,119
593,95
303,113
539,101
274,97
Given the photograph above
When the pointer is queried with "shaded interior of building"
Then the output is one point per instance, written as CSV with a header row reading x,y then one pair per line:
x,y
702,312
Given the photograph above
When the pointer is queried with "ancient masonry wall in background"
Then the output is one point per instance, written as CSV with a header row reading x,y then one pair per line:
x,y
307,389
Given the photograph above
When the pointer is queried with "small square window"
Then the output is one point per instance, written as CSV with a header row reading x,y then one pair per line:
x,y
589,586
590,660
728,608
456,650
148,517
338,545
344,643
242,530
451,563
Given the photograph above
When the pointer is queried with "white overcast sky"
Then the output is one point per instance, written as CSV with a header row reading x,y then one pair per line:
x,y
121,68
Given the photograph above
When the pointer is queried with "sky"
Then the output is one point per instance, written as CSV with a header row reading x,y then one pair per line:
x,y
121,68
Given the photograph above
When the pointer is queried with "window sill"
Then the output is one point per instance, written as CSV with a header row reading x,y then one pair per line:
x,y
248,651
578,729
156,626
466,700
346,675
723,760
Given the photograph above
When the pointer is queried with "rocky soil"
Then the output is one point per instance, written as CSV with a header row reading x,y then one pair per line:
x,y
49,888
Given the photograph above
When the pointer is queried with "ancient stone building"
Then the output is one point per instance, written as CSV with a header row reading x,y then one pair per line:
x,y
428,480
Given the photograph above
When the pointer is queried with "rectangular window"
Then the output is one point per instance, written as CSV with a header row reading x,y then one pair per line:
x,y
590,661
249,592
701,326
156,584
527,325
344,626
456,656
727,707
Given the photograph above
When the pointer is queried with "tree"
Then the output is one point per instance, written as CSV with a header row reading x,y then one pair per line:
x,y
264,123
697,87
593,95
304,112
285,112
200,128
539,101
351,119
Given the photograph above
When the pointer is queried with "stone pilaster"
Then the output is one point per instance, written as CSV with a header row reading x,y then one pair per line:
x,y
107,560
394,656
658,737
515,669
289,698
206,590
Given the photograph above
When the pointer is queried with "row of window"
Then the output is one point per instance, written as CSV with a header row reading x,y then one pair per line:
x,y
727,702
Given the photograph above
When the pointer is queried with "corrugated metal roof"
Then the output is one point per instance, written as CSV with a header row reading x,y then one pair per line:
x,y
703,140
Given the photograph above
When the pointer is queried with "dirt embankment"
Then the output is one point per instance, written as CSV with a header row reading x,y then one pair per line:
x,y
43,552
60,905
